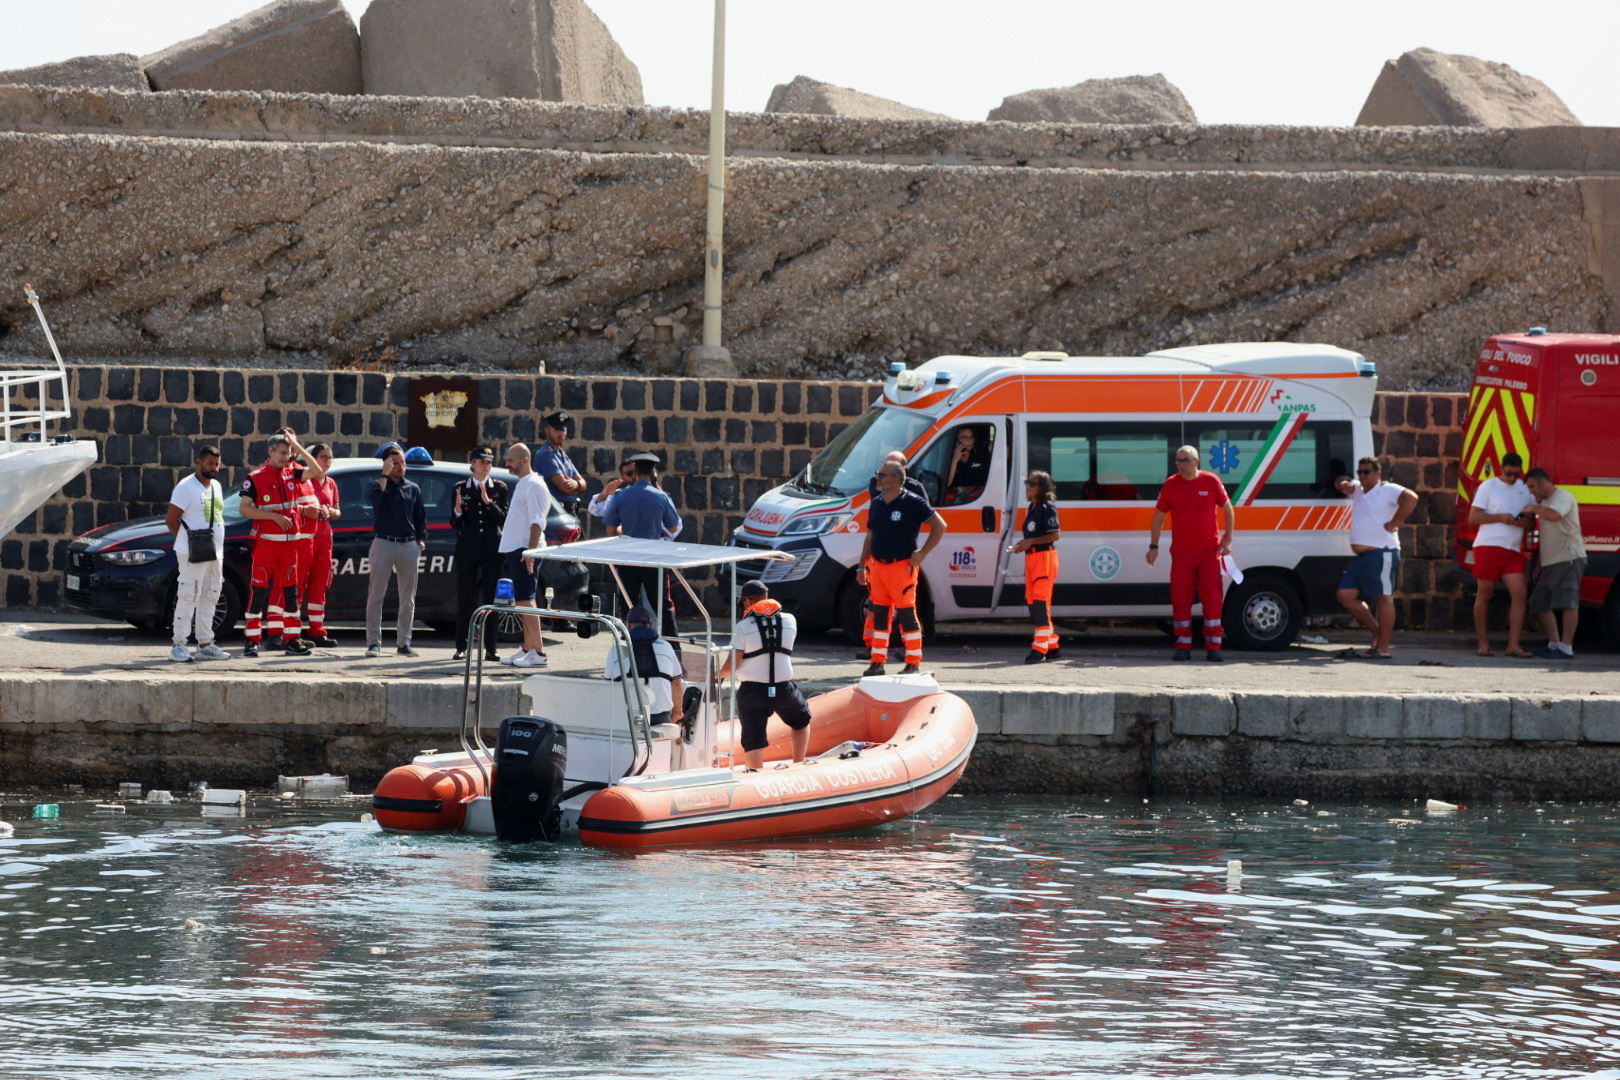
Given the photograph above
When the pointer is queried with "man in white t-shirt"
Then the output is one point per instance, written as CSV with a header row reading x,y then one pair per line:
x,y
762,650
1377,509
1560,564
1499,552
525,530
198,505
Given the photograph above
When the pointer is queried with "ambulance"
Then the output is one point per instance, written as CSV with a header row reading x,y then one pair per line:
x,y
1277,422
1551,399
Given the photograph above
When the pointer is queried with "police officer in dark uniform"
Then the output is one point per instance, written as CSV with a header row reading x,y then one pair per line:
x,y
477,513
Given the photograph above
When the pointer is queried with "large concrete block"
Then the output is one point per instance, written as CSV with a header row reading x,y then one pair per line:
x,y
1203,714
1600,719
1546,719
119,71
1428,717
436,706
1428,87
1040,712
1488,718
291,700
1096,711
119,704
1318,716
296,46
986,706
1263,716
1135,99
553,50
807,95
1372,717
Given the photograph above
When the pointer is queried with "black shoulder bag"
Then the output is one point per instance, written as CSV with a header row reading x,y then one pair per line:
x,y
200,542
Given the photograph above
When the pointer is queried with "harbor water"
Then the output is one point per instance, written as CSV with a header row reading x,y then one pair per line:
x,y
989,938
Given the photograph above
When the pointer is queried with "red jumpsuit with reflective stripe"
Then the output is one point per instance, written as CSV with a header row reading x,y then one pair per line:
x,y
275,549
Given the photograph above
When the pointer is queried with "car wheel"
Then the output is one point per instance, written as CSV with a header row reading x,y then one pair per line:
x,y
228,611
1264,613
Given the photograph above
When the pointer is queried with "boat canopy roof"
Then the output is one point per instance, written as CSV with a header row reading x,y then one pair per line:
x,y
657,554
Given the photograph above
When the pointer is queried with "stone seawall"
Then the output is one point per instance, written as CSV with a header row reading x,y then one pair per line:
x,y
102,730
726,442
258,226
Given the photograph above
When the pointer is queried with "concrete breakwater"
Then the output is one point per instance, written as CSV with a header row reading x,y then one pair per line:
x,y
105,729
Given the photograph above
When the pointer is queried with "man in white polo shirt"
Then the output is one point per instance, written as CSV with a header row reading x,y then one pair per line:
x,y
1377,509
1499,552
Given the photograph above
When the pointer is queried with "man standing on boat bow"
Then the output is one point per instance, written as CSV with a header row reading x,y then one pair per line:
x,y
761,647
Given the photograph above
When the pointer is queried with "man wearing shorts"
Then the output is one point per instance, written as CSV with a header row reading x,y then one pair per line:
x,y
1377,509
1560,565
525,530
1499,552
761,650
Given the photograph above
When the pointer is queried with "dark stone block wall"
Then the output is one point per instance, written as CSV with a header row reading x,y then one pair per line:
x,y
724,442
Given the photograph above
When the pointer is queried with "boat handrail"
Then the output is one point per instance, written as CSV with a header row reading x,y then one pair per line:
x,y
472,698
38,413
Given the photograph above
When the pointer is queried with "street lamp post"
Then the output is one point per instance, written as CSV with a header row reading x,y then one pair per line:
x,y
711,359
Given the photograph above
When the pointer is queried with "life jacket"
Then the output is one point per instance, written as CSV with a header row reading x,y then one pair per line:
x,y
642,639
767,615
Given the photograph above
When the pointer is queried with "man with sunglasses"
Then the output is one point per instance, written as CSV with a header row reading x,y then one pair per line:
x,y
598,505
1499,552
1377,509
1198,506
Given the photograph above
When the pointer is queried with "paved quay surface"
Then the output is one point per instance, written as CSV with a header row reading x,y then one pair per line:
x,y
974,655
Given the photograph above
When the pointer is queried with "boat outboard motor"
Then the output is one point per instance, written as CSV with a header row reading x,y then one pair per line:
x,y
527,786
690,701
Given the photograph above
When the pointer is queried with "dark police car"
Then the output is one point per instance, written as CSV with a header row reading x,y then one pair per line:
x,y
128,570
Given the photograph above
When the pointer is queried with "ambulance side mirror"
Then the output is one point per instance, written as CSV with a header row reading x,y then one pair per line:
x,y
987,519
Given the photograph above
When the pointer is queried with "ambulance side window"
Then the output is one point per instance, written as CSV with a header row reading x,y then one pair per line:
x,y
1092,462
1310,457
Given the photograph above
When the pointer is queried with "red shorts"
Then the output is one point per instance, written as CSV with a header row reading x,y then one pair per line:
x,y
1493,563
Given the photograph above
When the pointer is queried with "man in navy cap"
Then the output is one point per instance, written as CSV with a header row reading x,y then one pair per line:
x,y
657,667
647,513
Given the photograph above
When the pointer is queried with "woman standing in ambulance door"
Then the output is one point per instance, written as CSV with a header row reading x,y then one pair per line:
x,y
1039,547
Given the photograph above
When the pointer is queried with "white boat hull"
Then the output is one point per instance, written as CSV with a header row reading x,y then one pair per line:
x,y
30,473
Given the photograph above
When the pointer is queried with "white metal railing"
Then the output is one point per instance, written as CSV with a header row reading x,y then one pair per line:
x,y
17,417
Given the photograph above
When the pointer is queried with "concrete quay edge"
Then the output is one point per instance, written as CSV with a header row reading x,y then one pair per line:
x,y
105,729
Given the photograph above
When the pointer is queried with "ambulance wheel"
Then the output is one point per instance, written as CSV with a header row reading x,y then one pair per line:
x,y
851,611
1263,613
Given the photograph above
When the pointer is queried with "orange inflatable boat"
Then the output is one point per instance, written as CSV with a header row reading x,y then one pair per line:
x,y
879,751
589,761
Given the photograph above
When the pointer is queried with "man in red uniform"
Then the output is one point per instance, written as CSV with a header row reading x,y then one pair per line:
x,y
1192,498
275,496
317,569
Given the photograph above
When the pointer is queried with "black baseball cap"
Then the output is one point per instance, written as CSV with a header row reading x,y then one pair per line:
x,y
753,588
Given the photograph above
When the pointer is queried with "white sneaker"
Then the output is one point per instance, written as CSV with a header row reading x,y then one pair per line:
x,y
179,655
515,657
211,651
531,659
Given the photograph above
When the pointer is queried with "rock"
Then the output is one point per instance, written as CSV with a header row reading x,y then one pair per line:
x,y
1134,99
1428,87
552,50
120,71
295,46
806,95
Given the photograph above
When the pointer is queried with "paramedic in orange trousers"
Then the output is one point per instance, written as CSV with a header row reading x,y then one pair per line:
x,y
889,561
1039,548
1194,499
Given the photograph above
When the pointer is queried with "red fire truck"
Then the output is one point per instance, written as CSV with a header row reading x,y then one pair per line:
x,y
1555,399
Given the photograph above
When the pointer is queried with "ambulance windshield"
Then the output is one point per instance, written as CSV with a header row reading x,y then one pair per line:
x,y
851,459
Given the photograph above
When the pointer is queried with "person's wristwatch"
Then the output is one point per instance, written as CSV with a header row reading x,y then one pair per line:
x,y
1153,547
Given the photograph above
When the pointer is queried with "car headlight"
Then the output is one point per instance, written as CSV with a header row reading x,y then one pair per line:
x,y
132,557
815,525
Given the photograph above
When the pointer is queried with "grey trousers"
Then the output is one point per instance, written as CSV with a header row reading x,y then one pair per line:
x,y
388,557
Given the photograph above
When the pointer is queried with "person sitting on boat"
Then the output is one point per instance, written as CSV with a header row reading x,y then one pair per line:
x,y
761,649
658,668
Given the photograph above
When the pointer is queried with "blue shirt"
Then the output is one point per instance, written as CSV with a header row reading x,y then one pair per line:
x,y
894,525
642,511
550,461
397,510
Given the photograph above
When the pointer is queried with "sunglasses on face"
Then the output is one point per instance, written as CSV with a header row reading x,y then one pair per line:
x,y
1511,474
1186,459
1365,472
630,475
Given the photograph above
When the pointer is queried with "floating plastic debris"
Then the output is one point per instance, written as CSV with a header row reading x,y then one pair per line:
x,y
193,925
1302,802
1234,875
224,797
1437,805
47,810
323,786
158,796
109,808
130,791
6,828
